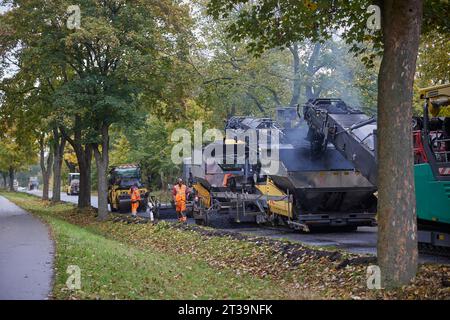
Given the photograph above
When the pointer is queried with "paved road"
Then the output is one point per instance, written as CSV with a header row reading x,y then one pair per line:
x,y
65,197
363,241
26,255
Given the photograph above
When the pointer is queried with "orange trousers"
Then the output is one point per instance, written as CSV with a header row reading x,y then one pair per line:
x,y
181,206
134,207
181,209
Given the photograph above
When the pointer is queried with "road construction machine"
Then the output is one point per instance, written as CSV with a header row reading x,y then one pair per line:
x,y
327,174
354,136
302,191
219,181
73,184
432,168
121,179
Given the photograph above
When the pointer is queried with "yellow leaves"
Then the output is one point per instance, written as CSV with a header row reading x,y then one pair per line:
x,y
311,5
120,151
69,155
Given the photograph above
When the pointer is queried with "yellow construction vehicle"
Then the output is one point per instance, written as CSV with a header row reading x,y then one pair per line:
x,y
121,179
279,207
437,98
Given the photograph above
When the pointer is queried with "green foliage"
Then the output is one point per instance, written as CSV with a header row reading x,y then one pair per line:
x,y
235,81
276,24
17,150
433,61
269,24
144,79
433,65
145,68
123,63
149,144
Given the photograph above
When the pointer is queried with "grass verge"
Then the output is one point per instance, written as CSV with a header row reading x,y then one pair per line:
x,y
166,261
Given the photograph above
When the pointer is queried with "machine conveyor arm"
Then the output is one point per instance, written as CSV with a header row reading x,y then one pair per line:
x,y
351,132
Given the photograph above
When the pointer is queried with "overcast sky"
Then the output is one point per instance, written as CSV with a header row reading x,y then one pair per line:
x,y
3,8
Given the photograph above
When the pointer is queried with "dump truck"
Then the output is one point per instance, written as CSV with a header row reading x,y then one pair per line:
x,y
73,184
121,179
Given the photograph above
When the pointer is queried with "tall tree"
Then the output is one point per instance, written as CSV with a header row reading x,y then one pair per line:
x,y
278,23
233,81
121,56
59,143
117,48
396,198
18,149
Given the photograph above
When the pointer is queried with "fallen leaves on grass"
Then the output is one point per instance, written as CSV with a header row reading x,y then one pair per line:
x,y
327,274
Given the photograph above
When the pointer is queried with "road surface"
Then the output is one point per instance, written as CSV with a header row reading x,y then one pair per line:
x,y
26,255
363,241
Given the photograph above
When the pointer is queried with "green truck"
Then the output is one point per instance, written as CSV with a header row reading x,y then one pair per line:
x,y
432,167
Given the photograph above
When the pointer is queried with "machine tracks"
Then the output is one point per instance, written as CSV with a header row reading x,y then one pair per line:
x,y
429,249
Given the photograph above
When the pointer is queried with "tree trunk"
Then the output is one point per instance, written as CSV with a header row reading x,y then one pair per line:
x,y
161,177
397,231
5,178
11,179
296,74
231,112
102,162
45,168
84,158
58,150
311,71
72,167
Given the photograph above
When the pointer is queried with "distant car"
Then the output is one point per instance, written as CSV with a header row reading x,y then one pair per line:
x,y
33,183
73,186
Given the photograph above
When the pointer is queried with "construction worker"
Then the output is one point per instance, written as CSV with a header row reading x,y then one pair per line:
x,y
135,199
179,193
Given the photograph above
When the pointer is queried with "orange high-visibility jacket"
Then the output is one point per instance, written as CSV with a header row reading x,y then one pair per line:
x,y
135,195
180,192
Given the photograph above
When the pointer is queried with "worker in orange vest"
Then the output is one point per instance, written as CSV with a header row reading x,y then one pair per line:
x,y
179,193
135,199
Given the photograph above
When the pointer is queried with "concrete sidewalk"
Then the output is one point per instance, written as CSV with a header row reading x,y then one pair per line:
x,y
26,255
